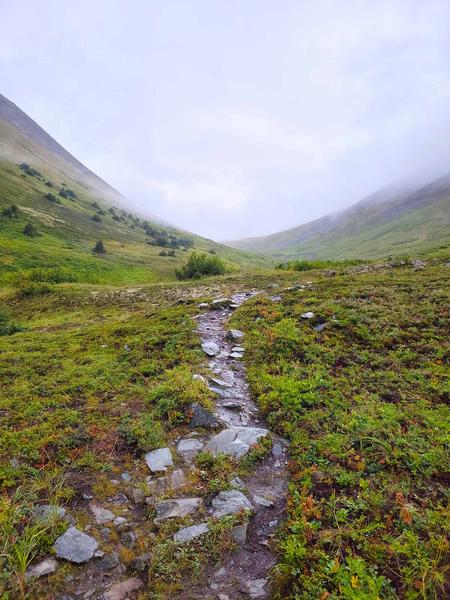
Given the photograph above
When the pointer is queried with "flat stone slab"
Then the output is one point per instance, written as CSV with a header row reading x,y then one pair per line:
x,y
188,448
123,589
210,348
189,533
239,533
172,508
230,502
236,355
43,567
262,501
75,546
239,349
220,382
256,588
101,515
201,417
235,335
158,460
235,441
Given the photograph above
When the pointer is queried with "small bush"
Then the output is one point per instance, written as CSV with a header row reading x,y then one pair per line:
x,y
30,230
199,265
67,193
6,327
144,432
11,212
52,198
96,218
99,248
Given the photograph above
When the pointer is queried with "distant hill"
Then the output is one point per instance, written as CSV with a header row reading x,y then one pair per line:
x,y
393,221
70,208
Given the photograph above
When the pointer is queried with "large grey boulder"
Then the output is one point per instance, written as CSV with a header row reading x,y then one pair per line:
x,y
181,507
101,515
230,502
210,348
158,460
189,533
75,546
43,567
200,417
235,441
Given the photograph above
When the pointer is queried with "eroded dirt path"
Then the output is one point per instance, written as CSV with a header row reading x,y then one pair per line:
x,y
244,573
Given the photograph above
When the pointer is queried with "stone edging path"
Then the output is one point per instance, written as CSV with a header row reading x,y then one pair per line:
x,y
244,572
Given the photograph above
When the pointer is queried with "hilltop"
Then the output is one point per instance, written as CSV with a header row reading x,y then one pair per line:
x,y
393,221
68,209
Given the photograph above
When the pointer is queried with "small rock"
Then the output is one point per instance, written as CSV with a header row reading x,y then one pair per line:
x,y
108,562
141,562
235,441
256,588
177,479
181,507
122,590
276,298
128,539
75,546
119,521
235,335
236,355
239,349
203,305
201,417
210,348
126,476
156,487
277,449
43,567
221,382
239,533
197,377
189,533
87,497
137,495
238,482
221,303
262,501
307,315
229,502
273,523
223,597
232,405
101,515
158,460
218,391
105,533
189,448
319,327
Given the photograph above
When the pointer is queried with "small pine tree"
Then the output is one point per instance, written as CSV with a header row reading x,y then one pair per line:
x,y
99,247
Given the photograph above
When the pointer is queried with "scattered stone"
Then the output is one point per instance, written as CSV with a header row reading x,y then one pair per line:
x,y
101,515
203,305
307,315
262,501
137,495
122,590
273,523
87,497
43,567
119,521
108,562
319,327
128,539
221,382
235,335
156,487
238,482
236,355
218,391
126,476
181,507
221,303
201,417
177,479
239,533
210,348
233,306
189,448
99,554
277,449
223,597
275,298
239,349
141,562
105,533
49,512
189,533
229,502
197,377
235,441
256,588
232,405
75,546
158,460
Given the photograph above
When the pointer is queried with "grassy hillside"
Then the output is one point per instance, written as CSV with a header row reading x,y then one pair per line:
x,y
391,222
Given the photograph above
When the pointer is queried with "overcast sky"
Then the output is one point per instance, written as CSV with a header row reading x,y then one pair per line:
x,y
237,117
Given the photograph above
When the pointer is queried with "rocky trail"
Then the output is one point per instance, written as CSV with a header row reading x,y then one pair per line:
x,y
117,523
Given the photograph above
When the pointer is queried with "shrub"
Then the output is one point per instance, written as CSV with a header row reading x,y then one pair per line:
x,y
11,212
67,193
30,230
99,248
6,327
96,218
199,265
52,198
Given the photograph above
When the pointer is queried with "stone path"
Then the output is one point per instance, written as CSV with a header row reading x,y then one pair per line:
x,y
116,522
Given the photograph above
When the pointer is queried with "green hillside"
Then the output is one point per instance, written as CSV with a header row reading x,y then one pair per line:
x,y
391,222
66,227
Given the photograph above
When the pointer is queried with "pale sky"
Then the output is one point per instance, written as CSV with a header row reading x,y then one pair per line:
x,y
234,118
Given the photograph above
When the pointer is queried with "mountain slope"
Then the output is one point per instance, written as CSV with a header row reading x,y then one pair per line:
x,y
392,221
69,209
